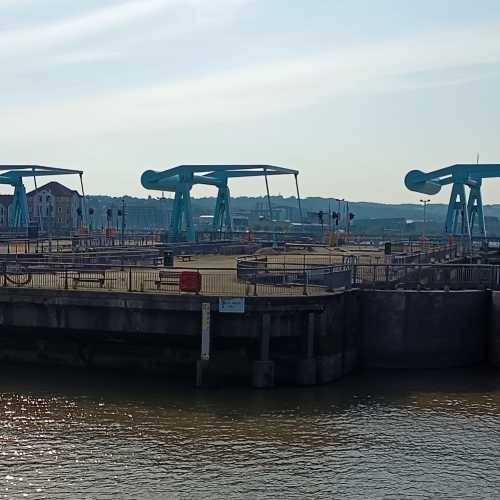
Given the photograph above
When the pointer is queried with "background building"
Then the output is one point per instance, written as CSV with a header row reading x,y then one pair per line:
x,y
54,208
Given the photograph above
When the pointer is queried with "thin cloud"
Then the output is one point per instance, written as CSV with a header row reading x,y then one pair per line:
x,y
76,28
263,89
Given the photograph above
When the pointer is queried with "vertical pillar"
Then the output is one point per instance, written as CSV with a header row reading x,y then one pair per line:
x,y
263,368
204,375
306,364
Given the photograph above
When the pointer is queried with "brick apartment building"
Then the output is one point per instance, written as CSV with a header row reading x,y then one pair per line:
x,y
54,207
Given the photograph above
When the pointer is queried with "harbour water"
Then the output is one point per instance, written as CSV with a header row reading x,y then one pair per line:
x,y
391,435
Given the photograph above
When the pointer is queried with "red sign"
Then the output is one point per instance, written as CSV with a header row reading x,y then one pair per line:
x,y
190,281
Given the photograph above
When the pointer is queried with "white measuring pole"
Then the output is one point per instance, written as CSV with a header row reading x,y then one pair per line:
x,y
205,331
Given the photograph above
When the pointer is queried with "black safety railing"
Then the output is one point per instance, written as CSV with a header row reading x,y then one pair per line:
x,y
119,256
219,282
246,281
12,245
426,276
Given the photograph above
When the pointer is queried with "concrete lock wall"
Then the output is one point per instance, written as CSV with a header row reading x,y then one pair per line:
x,y
289,340
423,329
494,330
276,341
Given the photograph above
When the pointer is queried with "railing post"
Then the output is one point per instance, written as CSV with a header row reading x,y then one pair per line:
x,y
130,279
66,278
4,269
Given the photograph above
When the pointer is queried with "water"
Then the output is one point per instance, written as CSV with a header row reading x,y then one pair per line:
x,y
390,435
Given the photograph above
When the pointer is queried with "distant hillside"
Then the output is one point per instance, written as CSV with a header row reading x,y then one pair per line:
x,y
362,210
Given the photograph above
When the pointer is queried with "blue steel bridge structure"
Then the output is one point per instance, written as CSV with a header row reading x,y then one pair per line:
x,y
181,179
13,175
465,209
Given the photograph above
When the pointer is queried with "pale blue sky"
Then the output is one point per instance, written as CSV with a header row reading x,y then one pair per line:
x,y
352,93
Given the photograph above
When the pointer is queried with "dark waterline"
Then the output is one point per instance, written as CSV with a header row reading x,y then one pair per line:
x,y
395,434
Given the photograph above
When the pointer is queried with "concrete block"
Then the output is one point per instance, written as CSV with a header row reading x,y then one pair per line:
x,y
350,361
329,368
206,376
494,330
306,371
263,374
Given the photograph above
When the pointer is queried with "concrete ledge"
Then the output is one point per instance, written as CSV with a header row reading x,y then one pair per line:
x,y
350,361
206,376
306,371
329,368
263,374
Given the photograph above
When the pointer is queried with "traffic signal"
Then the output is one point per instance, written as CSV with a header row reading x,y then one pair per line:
x,y
320,216
91,211
351,216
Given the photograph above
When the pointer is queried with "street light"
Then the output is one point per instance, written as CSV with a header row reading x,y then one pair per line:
x,y
425,214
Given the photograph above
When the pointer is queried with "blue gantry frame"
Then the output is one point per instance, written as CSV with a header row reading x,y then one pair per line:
x,y
463,213
13,175
181,179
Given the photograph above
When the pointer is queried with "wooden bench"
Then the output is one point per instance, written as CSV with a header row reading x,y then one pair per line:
x,y
168,278
185,257
89,277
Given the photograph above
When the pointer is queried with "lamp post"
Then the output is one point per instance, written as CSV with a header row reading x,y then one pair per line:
x,y
425,217
122,213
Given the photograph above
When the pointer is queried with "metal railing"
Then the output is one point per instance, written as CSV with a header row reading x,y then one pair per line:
x,y
119,256
218,282
293,281
427,276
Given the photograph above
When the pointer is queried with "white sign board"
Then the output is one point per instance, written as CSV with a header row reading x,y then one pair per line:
x,y
232,305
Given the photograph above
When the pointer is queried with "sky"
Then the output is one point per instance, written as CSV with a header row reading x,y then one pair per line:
x,y
352,93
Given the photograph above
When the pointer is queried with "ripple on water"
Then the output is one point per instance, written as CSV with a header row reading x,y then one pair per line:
x,y
377,436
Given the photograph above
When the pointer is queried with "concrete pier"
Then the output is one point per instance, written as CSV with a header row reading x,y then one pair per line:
x,y
274,341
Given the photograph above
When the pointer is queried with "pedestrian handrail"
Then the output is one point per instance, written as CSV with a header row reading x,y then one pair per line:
x,y
427,276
